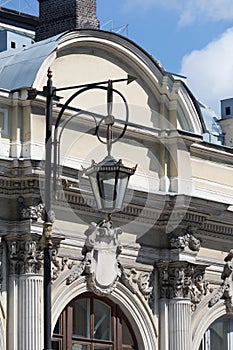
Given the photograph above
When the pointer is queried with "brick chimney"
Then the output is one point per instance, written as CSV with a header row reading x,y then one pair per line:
x,y
57,16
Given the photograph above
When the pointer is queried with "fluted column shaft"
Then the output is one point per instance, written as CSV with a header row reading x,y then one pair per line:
x,y
180,291
25,292
12,317
30,312
179,324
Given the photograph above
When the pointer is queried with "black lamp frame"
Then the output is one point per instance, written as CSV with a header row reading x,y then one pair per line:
x,y
49,91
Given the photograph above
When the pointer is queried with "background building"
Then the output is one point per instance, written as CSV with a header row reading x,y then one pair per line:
x,y
167,282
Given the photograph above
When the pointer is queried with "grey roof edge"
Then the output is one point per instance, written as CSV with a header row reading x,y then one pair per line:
x,y
19,68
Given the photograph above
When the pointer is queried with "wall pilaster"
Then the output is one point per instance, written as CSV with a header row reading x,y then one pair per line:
x,y
180,291
179,325
25,292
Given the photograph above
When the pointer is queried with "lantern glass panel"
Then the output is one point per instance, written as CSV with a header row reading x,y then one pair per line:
x,y
95,189
109,180
107,188
121,190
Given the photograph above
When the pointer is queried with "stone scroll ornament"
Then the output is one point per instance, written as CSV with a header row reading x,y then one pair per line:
x,y
101,265
224,291
186,240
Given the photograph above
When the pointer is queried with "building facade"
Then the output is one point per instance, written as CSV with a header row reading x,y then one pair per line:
x,y
159,275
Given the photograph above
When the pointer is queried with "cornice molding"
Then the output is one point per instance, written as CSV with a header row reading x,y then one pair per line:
x,y
157,212
212,152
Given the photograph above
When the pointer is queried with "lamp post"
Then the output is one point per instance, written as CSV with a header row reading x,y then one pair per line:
x,y
108,179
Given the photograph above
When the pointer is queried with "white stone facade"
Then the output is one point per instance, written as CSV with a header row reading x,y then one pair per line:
x,y
166,270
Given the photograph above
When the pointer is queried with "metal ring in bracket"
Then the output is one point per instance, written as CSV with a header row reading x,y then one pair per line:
x,y
126,119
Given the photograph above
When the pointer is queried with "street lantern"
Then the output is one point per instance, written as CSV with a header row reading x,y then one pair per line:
x,y
109,180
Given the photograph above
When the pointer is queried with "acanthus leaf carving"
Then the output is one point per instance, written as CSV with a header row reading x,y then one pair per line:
x,y
33,212
225,290
76,272
56,265
182,280
102,267
144,284
129,279
186,240
25,253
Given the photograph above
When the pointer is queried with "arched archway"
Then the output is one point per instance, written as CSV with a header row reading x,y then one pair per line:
x,y
135,310
219,335
204,319
93,322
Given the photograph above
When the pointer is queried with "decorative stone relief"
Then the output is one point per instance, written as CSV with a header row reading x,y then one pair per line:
x,y
25,253
144,285
225,290
186,240
32,212
56,266
137,281
100,263
65,263
102,267
129,279
182,280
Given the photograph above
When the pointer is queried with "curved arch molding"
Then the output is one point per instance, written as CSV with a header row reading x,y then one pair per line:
x,y
134,308
202,321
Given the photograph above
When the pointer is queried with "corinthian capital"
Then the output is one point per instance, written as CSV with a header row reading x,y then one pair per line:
x,y
182,280
24,253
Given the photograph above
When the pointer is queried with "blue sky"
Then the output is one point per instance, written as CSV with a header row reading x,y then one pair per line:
x,y
190,37
159,30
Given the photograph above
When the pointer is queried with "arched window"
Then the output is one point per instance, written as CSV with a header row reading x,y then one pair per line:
x,y
93,323
219,335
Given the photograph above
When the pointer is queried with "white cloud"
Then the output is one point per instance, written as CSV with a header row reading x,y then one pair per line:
x,y
210,70
189,11
205,10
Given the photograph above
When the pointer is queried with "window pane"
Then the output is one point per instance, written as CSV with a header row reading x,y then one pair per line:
x,y
102,326
56,345
81,318
76,346
126,335
218,336
57,329
102,347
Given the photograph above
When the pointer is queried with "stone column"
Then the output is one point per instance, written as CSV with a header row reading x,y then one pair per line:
x,y
180,291
2,295
25,309
163,325
180,336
